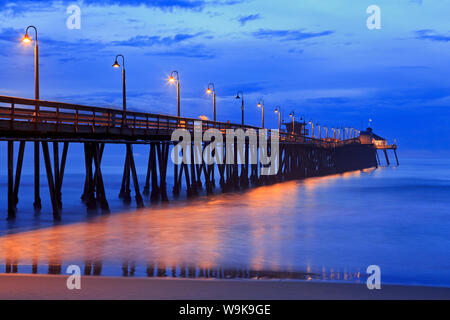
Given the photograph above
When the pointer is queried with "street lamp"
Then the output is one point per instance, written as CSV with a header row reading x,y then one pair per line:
x,y
261,105
312,128
292,115
124,88
172,80
213,91
240,95
27,40
278,110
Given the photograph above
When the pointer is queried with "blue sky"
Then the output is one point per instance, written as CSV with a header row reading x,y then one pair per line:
x,y
315,57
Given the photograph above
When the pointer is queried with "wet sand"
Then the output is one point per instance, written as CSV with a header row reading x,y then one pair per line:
x,y
45,287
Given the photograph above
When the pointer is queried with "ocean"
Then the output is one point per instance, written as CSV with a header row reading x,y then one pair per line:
x,y
319,229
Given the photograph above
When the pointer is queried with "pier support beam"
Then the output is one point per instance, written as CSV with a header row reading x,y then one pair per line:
x,y
89,188
378,159
94,186
163,157
125,191
396,157
18,172
37,197
97,153
146,190
139,200
11,199
62,169
386,156
153,174
51,182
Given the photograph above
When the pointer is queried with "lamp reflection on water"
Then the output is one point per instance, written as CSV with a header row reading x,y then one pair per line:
x,y
238,235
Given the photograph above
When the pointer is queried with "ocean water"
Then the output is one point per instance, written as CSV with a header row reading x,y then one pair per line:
x,y
320,229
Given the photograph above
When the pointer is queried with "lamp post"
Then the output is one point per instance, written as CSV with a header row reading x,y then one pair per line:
x,y
172,79
240,95
292,115
278,111
261,105
124,87
312,128
26,39
213,91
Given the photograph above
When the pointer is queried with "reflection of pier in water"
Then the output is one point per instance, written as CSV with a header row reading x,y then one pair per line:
x,y
155,270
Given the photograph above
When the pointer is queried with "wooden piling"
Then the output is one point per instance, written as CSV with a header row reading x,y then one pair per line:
x,y
100,187
386,156
163,156
11,199
18,172
396,157
37,198
51,183
138,196
125,191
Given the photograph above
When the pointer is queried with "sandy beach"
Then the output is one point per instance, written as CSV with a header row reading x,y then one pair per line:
x,y
44,287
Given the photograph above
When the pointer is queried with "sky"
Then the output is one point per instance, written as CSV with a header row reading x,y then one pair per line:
x,y
317,58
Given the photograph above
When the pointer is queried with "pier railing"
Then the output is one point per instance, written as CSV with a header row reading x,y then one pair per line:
x,y
36,116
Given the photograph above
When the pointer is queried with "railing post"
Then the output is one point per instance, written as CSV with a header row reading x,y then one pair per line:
x,y
157,124
36,112
12,116
109,124
76,120
57,119
93,123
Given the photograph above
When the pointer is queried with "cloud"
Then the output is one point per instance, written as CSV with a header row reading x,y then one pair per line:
x,y
431,35
194,51
244,19
64,49
149,41
329,100
161,4
10,8
296,51
288,35
11,34
21,6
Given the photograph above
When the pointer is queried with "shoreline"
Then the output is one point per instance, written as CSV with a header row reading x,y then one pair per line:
x,y
53,287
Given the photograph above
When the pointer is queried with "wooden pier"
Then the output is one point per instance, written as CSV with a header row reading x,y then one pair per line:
x,y
40,123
